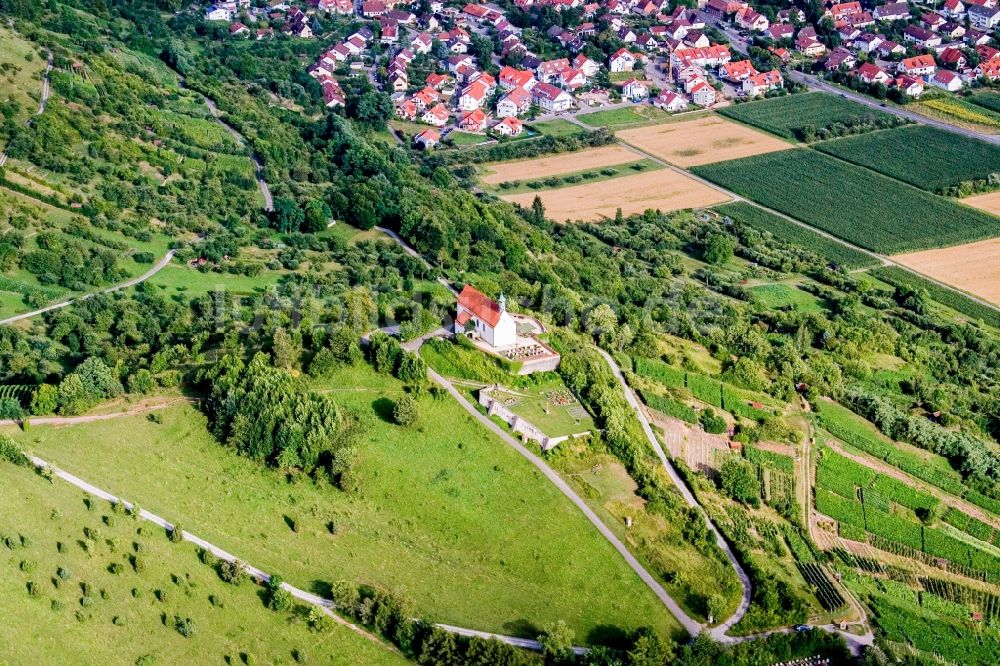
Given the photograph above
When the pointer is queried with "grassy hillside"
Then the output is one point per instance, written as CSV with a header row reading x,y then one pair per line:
x,y
447,515
124,616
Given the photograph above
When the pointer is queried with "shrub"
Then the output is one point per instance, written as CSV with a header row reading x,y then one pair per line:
x,y
712,422
404,410
176,534
232,572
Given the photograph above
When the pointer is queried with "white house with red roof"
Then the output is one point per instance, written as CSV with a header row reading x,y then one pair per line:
x,y
635,90
758,84
514,103
946,80
479,316
670,101
621,60
509,126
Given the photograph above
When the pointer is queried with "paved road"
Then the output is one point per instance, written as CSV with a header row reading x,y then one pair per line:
x,y
121,285
854,642
815,83
689,624
718,632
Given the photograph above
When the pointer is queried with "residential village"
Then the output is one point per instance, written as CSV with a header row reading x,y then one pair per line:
x,y
485,69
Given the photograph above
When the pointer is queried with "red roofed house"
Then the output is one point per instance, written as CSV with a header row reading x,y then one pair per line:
x,y
427,139
947,80
481,317
872,73
473,121
921,65
736,71
509,127
758,84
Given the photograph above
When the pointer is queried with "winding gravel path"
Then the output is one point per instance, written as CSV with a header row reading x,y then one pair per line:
x,y
121,285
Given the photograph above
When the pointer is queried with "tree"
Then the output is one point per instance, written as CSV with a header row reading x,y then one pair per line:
x,y
232,571
73,397
45,399
322,363
537,211
601,321
719,249
648,649
404,410
10,408
283,349
286,216
412,368
374,109
738,479
383,351
141,382
278,598
557,643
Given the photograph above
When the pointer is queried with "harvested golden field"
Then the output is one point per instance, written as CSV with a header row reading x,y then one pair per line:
x,y
664,190
703,141
973,267
555,165
989,202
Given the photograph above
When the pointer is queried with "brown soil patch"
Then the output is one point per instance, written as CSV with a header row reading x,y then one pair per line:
x,y
989,202
663,190
973,267
554,165
702,141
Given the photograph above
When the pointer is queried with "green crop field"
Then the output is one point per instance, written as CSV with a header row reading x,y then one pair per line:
x,y
859,206
926,157
988,100
796,234
447,515
787,116
128,613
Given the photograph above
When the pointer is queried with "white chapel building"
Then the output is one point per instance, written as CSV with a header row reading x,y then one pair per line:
x,y
489,319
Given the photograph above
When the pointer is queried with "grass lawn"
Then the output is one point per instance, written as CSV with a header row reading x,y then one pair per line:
x,y
466,138
176,279
550,406
557,127
56,628
628,115
783,296
447,514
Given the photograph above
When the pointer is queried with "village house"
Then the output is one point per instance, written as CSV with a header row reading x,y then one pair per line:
x,y
516,102
480,317
908,86
839,57
635,90
946,80
713,56
509,127
571,79
670,101
894,11
589,67
551,98
427,139
918,66
868,42
750,20
436,115
809,46
473,121
922,37
953,58
759,84
737,71
871,73
473,96
510,78
218,13
621,61
781,31
954,9
982,17
406,110
701,93
988,69
548,71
